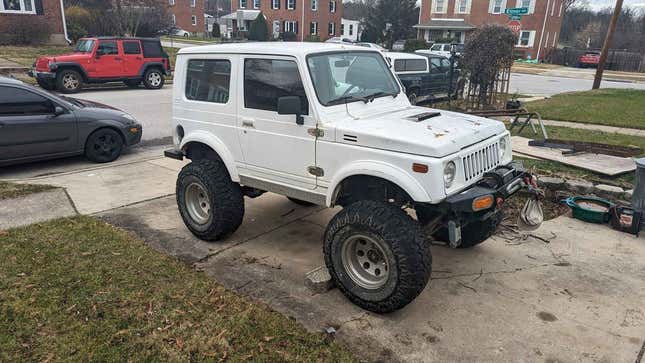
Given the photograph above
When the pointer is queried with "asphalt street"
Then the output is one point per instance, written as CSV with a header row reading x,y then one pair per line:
x,y
153,108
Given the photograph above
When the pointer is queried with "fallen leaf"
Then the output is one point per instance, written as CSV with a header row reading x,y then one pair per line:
x,y
268,339
180,343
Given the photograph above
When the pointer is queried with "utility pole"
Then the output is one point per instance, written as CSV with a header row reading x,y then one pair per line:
x,y
607,44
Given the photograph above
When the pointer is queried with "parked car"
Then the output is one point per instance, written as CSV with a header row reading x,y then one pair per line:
x,y
339,40
328,124
589,59
443,49
104,59
371,45
425,77
178,32
38,125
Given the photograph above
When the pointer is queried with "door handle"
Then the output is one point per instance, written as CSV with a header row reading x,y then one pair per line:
x,y
118,58
248,123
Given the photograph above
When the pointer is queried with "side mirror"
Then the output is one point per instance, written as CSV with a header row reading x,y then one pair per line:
x,y
291,105
99,53
58,111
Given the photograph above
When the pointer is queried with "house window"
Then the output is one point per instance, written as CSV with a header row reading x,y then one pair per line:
x,y
342,29
555,36
243,4
439,6
313,28
462,6
256,4
193,20
526,38
332,6
314,5
208,80
174,19
525,4
193,3
497,7
291,4
332,28
275,4
17,6
291,26
171,2
351,29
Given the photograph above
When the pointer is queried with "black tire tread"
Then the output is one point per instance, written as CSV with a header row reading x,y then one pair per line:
x,y
89,153
407,242
145,78
59,81
225,194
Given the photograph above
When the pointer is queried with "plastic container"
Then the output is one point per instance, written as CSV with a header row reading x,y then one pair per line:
x,y
588,209
638,197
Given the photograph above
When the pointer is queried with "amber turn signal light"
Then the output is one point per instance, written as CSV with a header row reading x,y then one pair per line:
x,y
420,168
482,203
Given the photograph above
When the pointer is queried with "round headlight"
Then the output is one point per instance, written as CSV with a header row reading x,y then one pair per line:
x,y
503,146
449,172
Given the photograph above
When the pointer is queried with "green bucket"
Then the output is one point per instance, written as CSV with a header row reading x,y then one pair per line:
x,y
589,209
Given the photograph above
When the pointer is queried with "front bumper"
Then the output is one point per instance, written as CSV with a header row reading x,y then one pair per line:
x,y
502,182
43,76
133,134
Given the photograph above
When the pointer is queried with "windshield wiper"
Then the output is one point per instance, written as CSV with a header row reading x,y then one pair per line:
x,y
380,94
346,99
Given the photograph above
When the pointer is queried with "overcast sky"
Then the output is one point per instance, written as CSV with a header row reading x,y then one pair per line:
x,y
599,4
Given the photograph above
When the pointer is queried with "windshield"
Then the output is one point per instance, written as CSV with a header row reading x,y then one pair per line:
x,y
84,46
350,76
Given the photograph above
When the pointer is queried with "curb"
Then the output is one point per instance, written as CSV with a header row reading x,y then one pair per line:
x,y
556,187
36,208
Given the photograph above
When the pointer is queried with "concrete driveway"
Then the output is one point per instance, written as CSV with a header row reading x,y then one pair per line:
x,y
578,298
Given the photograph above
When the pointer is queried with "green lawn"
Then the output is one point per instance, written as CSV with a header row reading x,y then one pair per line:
x,y
11,190
612,107
80,290
26,55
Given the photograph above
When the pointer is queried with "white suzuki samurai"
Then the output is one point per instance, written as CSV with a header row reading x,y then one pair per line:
x,y
329,124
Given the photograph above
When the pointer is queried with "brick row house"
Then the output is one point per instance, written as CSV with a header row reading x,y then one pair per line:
x,y
48,11
188,15
305,18
540,28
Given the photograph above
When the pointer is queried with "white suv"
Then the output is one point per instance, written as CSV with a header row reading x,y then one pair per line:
x,y
329,124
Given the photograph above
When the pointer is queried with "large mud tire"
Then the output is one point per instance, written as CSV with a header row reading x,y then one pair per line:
x,y
397,248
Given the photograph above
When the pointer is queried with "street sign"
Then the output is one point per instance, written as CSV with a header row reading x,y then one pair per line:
x,y
515,26
514,17
516,11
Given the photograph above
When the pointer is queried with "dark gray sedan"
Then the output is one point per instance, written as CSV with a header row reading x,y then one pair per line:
x,y
38,125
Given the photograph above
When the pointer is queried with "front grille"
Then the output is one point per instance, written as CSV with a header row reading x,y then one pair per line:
x,y
481,161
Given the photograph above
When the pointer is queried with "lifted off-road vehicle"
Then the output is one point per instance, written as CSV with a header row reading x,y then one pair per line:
x,y
329,124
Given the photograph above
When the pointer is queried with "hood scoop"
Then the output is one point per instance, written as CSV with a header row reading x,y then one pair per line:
x,y
423,116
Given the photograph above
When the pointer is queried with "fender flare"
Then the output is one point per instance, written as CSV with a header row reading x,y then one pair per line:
x,y
147,65
381,170
218,146
54,67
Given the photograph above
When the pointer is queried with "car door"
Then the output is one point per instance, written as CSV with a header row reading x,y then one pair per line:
x,y
437,78
29,126
132,58
275,147
108,63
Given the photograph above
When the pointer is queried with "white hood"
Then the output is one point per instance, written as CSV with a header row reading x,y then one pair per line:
x,y
399,129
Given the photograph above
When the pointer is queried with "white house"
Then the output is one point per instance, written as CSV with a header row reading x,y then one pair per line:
x,y
349,29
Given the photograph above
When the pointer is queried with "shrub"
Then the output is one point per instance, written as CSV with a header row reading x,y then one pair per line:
x,y
313,38
216,32
75,31
289,37
259,29
26,30
413,44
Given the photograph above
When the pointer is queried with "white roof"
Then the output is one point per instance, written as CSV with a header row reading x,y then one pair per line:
x,y
399,55
246,15
295,49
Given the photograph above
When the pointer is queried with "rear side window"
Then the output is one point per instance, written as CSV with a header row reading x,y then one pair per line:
x,y
19,102
152,49
131,47
108,47
208,80
266,80
410,65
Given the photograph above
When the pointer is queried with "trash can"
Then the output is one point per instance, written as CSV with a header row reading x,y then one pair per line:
x,y
638,197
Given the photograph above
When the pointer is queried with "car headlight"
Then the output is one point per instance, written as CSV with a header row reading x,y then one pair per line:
x,y
503,146
449,172
129,117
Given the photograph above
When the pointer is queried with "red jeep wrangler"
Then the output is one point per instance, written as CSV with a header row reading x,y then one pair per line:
x,y
105,59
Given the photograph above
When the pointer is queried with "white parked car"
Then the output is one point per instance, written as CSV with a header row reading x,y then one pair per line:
x,y
371,45
329,124
442,49
178,32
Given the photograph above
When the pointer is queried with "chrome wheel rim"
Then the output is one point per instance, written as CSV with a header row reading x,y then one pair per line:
x,y
365,261
70,81
197,203
154,79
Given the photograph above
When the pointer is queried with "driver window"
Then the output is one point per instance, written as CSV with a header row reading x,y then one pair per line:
x,y
108,48
435,65
436,47
266,80
18,102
